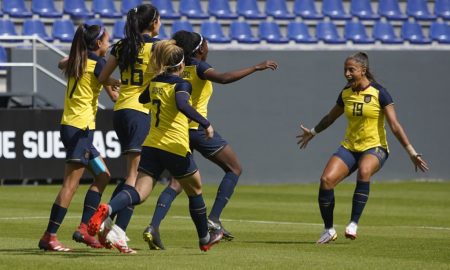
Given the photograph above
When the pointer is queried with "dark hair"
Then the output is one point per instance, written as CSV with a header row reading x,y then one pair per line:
x,y
84,40
363,59
188,41
139,19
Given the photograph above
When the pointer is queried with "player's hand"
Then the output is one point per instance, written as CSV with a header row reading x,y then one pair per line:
x,y
419,163
114,95
209,132
304,138
266,64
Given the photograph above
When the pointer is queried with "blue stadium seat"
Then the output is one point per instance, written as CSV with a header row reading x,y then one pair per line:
x,y
335,10
419,10
328,33
192,9
212,31
270,32
440,32
442,9
16,9
181,25
363,10
77,9
356,32
129,4
35,27
250,10
298,32
45,8
242,32
221,9
278,9
94,21
105,8
166,10
384,32
163,33
307,9
412,32
3,57
118,29
391,10
7,28
63,30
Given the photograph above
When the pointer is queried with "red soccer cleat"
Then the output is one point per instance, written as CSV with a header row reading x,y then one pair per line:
x,y
49,242
97,219
81,236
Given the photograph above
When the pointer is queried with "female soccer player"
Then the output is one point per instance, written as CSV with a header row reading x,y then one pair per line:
x,y
201,75
82,69
366,105
131,118
167,144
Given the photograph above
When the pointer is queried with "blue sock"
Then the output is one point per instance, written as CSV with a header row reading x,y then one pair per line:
x,y
57,215
197,208
224,193
360,197
124,215
116,191
91,202
163,205
326,205
123,199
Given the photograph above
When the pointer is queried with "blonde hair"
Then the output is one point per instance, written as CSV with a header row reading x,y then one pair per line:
x,y
167,57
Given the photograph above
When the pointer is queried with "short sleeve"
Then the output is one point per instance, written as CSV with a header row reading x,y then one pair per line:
x,y
202,67
99,67
183,87
384,97
339,100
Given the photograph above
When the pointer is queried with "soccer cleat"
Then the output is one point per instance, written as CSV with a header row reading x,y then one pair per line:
x,y
151,236
97,219
81,236
350,230
105,228
49,242
214,238
217,226
327,236
119,239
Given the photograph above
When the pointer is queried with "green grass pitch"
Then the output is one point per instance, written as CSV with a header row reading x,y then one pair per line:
x,y
406,225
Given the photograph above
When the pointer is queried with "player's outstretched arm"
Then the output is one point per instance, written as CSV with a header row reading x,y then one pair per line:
x,y
397,129
232,76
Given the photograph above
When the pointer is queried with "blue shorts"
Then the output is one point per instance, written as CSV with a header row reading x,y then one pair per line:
x,y
208,148
154,161
78,144
351,159
132,128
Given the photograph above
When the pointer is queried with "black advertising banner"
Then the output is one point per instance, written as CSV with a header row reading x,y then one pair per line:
x,y
31,148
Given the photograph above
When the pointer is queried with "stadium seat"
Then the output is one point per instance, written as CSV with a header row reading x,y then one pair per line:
x,y
391,10
412,32
105,8
16,9
419,10
212,31
45,8
94,21
328,33
356,32
242,32
384,32
35,27
298,32
77,9
7,28
221,9
442,9
3,57
306,9
129,4
278,9
270,32
335,10
181,25
163,33
166,10
440,32
63,30
192,9
250,10
363,10
118,29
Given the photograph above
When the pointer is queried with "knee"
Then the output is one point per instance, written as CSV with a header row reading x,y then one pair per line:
x,y
364,172
327,182
235,168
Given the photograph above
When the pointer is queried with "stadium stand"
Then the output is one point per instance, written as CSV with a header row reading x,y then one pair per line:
x,y
328,33
166,9
212,31
440,32
278,9
298,32
63,30
356,32
126,5
391,10
7,28
412,32
242,32
270,32
419,10
335,10
105,8
221,9
16,9
45,9
250,10
118,29
77,9
384,32
442,9
181,25
307,10
363,10
192,9
35,27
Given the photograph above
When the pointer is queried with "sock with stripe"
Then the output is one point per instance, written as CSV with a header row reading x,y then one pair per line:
x,y
360,197
57,215
124,215
197,209
163,205
91,202
123,199
224,193
326,205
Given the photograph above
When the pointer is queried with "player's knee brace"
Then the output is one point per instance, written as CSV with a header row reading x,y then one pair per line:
x,y
97,166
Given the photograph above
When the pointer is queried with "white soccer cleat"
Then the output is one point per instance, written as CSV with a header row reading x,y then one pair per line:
x,y
118,239
327,236
350,231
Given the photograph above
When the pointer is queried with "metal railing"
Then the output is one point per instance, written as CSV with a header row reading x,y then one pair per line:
x,y
34,64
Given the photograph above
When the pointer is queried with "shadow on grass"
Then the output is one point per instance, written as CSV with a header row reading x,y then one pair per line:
x,y
288,243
